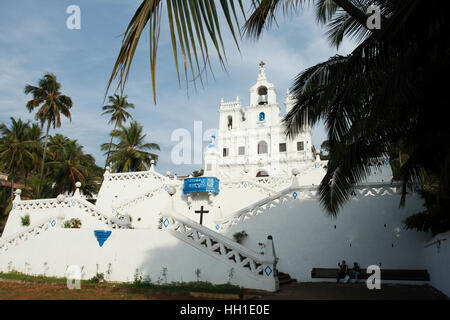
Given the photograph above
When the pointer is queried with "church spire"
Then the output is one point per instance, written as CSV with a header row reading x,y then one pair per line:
x,y
262,71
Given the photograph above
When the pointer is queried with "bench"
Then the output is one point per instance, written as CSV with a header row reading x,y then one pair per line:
x,y
386,274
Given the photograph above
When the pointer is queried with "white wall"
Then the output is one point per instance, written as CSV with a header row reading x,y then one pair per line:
x,y
305,237
149,251
437,261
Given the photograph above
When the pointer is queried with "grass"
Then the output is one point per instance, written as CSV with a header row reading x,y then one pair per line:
x,y
195,286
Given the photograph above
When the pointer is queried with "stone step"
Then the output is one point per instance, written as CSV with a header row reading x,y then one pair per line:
x,y
284,278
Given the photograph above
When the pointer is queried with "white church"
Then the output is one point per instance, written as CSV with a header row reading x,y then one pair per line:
x,y
257,184
254,140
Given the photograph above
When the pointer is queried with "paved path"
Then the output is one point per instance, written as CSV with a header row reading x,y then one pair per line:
x,y
352,291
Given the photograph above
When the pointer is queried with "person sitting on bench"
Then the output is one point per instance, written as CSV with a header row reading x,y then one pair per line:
x,y
343,270
355,271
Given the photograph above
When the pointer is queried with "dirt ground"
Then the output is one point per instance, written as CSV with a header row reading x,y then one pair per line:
x,y
29,290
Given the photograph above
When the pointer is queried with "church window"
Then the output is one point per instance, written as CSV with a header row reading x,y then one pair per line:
x,y
300,146
262,173
262,116
283,147
262,147
230,122
241,151
226,152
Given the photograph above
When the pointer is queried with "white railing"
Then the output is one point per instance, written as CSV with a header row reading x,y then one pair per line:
x,y
119,209
301,193
247,184
82,204
28,233
255,265
124,176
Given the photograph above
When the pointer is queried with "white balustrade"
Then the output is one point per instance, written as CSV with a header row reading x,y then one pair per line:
x,y
79,203
26,234
255,265
301,193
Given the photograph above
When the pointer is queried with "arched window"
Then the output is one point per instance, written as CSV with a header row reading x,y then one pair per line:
x,y
262,95
262,116
230,122
262,147
262,173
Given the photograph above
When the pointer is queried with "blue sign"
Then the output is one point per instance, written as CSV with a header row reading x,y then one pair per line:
x,y
201,184
102,236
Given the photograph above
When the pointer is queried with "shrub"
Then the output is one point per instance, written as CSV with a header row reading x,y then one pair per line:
x,y
99,277
240,236
25,220
72,223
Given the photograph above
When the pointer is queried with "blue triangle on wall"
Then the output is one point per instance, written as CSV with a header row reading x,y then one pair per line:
x,y
102,236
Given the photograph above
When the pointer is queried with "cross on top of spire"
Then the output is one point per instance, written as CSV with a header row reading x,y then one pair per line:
x,y
262,64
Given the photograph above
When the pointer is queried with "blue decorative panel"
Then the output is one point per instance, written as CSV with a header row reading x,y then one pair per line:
x,y
268,270
295,195
262,116
166,222
102,236
201,184
53,222
217,227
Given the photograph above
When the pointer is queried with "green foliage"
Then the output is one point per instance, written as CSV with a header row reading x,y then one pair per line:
x,y
25,220
52,104
72,223
98,278
435,219
130,153
69,164
139,283
240,236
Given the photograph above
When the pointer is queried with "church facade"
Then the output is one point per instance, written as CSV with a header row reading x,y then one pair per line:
x,y
252,140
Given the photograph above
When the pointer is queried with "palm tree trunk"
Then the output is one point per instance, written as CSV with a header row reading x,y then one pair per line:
x,y
109,150
43,160
12,184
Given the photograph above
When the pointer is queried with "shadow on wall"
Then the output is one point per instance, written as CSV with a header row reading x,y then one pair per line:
x,y
368,230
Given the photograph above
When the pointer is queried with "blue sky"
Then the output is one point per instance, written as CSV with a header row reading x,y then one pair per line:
x,y
35,40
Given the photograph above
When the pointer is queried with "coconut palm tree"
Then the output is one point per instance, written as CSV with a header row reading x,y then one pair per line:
x,y
15,149
194,27
119,114
69,164
52,104
31,167
131,154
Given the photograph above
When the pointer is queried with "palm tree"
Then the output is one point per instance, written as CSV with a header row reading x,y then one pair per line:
x,y
34,134
130,154
15,149
193,25
70,164
119,114
52,104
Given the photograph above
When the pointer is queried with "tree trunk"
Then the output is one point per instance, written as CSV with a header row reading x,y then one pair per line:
x,y
43,160
109,150
12,184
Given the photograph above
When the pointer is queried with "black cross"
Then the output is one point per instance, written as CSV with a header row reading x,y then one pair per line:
x,y
201,211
